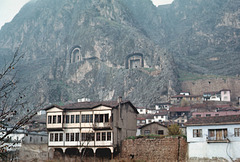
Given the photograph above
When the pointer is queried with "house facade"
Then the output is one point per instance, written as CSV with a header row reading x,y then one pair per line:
x,y
92,125
153,128
214,137
225,95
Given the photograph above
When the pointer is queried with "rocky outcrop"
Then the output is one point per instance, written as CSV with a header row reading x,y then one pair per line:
x,y
74,49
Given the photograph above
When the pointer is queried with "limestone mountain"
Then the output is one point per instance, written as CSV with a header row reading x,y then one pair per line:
x,y
102,49
95,49
202,35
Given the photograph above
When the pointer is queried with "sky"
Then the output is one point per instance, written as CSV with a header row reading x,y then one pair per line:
x,y
9,8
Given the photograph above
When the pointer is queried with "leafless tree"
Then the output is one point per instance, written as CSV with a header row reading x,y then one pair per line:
x,y
12,102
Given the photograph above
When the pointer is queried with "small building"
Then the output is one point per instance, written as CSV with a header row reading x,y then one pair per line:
x,y
193,98
162,106
225,95
142,110
149,118
218,136
153,128
181,119
36,138
13,141
176,99
212,96
176,112
185,93
161,116
151,111
141,121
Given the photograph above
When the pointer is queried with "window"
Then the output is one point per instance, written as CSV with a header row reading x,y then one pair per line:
x,y
141,110
59,118
198,115
87,118
51,136
217,134
160,132
99,118
98,136
72,118
83,118
41,139
63,118
236,132
87,136
54,119
149,121
67,136
77,118
109,136
77,137
208,115
106,118
61,137
146,132
56,136
49,119
72,136
216,114
103,136
143,121
197,132
67,118
30,139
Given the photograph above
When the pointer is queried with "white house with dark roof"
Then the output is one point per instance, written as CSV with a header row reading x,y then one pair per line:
x,y
161,116
142,110
92,125
214,137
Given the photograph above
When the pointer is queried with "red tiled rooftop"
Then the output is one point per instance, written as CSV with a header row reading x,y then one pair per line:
x,y
179,109
90,105
214,120
177,96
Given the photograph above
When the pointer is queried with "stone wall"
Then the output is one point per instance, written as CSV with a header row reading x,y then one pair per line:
x,y
165,149
207,85
33,152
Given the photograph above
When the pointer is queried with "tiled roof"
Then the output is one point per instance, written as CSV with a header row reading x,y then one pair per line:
x,y
150,116
161,112
177,96
179,109
152,123
164,103
141,118
225,90
188,96
91,105
140,107
214,120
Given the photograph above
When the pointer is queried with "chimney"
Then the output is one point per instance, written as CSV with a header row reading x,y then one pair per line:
x,y
119,99
119,107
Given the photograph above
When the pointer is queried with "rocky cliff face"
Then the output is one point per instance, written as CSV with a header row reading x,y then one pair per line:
x,y
95,49
202,35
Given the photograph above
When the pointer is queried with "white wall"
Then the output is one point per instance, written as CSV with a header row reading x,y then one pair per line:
x,y
198,146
